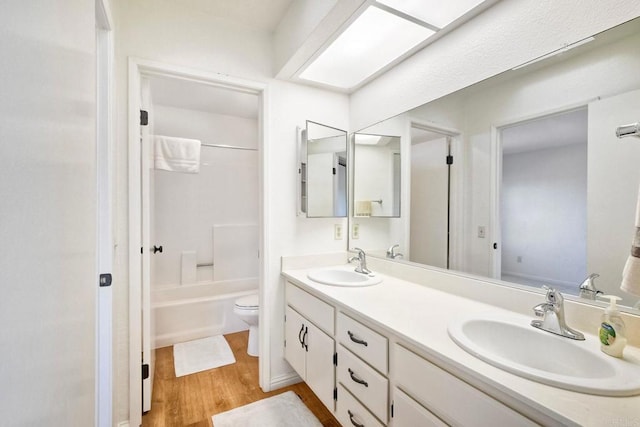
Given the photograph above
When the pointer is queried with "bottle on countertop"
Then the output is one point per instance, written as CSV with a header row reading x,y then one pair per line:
x,y
612,332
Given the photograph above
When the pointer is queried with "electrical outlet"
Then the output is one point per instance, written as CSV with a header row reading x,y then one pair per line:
x,y
355,231
337,232
482,231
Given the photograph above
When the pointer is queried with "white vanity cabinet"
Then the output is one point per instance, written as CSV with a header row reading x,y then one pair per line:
x,y
370,376
362,366
444,395
308,348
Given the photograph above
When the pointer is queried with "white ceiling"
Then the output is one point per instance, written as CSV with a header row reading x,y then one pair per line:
x,y
259,14
197,96
552,131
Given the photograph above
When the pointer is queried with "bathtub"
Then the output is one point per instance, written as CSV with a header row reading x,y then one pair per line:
x,y
184,313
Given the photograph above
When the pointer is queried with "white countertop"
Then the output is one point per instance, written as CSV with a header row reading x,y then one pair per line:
x,y
420,315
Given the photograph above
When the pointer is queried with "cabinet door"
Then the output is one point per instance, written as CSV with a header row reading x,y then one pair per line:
x,y
409,413
320,374
294,351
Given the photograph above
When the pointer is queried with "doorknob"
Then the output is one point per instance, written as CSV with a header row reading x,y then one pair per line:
x,y
157,249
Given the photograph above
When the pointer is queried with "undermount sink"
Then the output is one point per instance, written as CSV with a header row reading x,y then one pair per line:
x,y
343,277
510,343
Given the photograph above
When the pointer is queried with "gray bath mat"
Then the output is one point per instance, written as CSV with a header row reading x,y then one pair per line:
x,y
283,410
199,355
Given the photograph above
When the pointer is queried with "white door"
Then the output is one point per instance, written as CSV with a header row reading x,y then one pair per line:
x,y
430,202
613,179
320,371
146,164
294,349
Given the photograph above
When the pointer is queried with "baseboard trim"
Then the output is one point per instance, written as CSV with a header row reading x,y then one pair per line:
x,y
285,380
123,423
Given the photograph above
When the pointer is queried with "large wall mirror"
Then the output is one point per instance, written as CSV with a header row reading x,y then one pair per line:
x,y
323,171
521,178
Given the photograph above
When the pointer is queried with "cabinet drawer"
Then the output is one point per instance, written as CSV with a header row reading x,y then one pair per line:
x,y
369,345
451,399
409,413
314,309
350,412
364,382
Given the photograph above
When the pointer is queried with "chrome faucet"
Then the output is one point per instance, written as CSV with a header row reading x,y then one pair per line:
x,y
362,259
588,288
552,313
391,252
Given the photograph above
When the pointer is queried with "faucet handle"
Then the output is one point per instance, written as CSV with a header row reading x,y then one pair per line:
x,y
553,295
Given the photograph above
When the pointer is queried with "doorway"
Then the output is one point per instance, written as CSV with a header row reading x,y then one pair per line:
x,y
142,245
542,201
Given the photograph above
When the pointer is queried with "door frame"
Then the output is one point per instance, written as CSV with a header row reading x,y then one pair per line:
x,y
104,176
137,69
495,254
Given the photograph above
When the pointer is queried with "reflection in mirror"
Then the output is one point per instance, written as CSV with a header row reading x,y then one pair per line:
x,y
376,175
541,189
324,171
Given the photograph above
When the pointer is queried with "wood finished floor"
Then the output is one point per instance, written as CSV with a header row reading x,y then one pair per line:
x,y
192,400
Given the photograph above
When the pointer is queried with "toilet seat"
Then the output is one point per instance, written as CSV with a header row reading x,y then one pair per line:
x,y
249,302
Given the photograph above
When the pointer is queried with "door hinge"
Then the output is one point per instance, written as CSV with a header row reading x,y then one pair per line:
x,y
335,393
141,250
391,409
105,280
144,118
335,359
285,343
449,159
334,171
145,371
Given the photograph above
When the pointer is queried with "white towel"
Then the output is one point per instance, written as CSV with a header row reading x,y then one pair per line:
x,y
631,272
176,154
363,208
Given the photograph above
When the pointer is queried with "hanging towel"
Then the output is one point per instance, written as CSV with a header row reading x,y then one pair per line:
x,y
176,154
631,272
363,208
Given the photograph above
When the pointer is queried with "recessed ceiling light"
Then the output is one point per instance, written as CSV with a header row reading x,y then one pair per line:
x,y
435,12
374,40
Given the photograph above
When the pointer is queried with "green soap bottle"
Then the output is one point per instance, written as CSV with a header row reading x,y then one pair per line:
x,y
612,334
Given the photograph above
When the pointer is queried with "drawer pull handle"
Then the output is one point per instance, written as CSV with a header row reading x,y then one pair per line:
x,y
304,339
356,340
355,378
299,337
352,420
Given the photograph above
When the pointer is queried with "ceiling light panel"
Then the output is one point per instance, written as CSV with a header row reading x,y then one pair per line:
x,y
435,12
375,39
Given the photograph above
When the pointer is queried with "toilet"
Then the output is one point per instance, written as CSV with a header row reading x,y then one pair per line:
x,y
247,309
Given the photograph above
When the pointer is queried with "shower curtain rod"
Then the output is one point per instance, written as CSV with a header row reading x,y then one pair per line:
x,y
232,147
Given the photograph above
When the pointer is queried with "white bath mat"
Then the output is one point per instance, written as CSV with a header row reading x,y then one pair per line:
x,y
199,355
283,410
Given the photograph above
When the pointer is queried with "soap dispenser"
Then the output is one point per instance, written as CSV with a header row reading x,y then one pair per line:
x,y
612,331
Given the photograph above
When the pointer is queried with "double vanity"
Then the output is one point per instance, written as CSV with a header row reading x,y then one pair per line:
x,y
407,346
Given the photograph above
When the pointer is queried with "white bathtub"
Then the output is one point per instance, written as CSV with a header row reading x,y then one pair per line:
x,y
184,313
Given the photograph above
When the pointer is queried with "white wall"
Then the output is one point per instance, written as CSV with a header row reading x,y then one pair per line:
x,y
171,33
506,35
224,192
543,214
48,213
